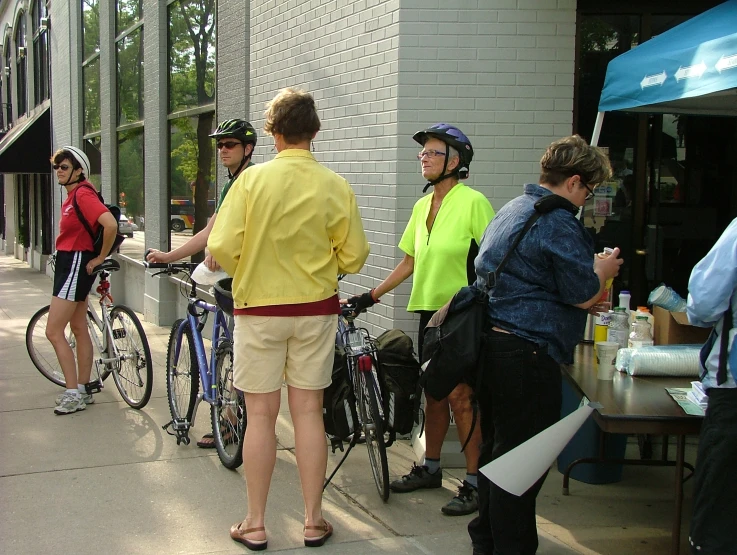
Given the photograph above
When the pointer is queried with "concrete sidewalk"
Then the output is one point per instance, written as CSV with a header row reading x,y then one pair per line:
x,y
110,480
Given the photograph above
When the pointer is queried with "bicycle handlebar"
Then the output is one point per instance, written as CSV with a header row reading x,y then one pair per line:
x,y
169,267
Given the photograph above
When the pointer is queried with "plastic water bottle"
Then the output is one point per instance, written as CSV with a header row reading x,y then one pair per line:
x,y
619,327
640,334
624,301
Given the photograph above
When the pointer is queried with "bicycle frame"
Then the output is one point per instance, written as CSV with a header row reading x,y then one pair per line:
x,y
103,324
220,332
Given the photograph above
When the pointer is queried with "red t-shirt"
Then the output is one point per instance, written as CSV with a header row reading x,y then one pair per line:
x,y
72,234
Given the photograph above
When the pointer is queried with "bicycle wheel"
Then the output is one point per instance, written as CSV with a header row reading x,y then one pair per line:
x,y
42,352
182,374
228,414
373,429
134,373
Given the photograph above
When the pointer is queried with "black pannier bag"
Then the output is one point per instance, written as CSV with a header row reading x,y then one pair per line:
x,y
400,372
339,402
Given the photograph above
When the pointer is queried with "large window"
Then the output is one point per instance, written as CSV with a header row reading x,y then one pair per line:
x,y
8,85
42,213
23,210
21,60
40,52
130,185
129,61
91,66
192,181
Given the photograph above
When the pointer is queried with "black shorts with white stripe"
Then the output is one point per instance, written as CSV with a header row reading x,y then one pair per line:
x,y
71,280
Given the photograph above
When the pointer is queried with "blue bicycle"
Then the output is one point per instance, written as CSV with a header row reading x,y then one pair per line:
x,y
187,365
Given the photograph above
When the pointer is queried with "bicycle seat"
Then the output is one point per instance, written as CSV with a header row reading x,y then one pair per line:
x,y
109,265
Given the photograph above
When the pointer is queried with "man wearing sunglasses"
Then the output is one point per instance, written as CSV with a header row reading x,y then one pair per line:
x,y
440,243
236,139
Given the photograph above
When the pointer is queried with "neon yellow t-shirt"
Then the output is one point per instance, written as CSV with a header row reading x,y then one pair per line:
x,y
441,254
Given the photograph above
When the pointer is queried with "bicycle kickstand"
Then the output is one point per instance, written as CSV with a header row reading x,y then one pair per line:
x,y
181,430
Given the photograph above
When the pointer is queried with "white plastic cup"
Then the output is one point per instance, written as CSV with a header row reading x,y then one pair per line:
x,y
606,358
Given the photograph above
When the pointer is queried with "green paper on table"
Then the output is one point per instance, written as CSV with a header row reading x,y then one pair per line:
x,y
679,396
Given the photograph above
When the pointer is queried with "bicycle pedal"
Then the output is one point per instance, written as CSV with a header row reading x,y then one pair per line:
x,y
93,387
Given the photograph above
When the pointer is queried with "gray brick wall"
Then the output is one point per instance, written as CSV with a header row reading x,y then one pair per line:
x,y
346,54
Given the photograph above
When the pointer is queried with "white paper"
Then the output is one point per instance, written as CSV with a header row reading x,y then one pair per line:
x,y
517,470
202,275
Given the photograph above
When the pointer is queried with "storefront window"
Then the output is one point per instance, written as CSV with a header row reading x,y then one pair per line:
x,y
42,213
90,28
21,62
192,183
127,14
131,186
8,85
92,148
91,82
23,207
130,77
40,52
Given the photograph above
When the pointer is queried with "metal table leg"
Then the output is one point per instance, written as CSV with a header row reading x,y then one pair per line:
x,y
676,534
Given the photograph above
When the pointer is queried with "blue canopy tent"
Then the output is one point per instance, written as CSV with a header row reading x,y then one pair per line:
x,y
690,69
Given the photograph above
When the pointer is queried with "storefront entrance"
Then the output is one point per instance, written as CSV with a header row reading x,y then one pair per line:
x,y
675,185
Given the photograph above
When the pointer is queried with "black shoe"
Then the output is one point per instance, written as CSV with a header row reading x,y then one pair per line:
x,y
465,503
418,478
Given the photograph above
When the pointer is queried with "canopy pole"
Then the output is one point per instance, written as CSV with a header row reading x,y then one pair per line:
x,y
597,129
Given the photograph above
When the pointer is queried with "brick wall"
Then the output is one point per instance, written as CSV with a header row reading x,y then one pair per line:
x,y
346,54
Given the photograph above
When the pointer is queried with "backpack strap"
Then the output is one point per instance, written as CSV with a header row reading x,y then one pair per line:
x,y
79,212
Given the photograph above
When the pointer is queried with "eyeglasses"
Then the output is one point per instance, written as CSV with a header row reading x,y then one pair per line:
x,y
590,194
64,167
430,154
229,145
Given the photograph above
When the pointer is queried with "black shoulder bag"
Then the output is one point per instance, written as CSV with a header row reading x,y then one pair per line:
x,y
453,339
98,239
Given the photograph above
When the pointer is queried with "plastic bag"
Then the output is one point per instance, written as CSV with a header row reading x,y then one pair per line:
x,y
202,275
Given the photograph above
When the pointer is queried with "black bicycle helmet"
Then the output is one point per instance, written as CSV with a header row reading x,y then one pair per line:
x,y
454,137
238,129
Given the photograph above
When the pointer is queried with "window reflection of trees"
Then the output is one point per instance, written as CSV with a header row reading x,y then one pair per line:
x,y
130,77
40,53
130,184
91,80
191,105
127,13
21,62
8,82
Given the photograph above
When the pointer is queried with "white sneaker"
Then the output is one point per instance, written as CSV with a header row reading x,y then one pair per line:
x,y
69,404
88,399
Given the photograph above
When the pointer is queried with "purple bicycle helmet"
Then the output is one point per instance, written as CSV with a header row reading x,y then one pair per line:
x,y
454,137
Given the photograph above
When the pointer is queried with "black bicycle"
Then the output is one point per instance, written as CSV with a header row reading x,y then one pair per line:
x,y
362,363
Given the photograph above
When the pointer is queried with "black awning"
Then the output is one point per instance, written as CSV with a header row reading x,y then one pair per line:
x,y
26,148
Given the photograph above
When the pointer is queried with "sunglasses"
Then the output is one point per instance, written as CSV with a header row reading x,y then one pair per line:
x,y
64,167
229,145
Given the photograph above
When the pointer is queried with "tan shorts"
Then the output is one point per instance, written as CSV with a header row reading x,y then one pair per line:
x,y
271,350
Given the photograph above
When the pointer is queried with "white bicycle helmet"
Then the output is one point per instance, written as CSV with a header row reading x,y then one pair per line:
x,y
81,158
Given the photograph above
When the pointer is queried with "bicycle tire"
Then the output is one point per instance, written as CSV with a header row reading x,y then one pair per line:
x,y
42,352
373,429
133,373
182,375
230,405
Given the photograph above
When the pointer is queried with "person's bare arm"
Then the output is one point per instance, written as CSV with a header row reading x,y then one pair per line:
x,y
193,246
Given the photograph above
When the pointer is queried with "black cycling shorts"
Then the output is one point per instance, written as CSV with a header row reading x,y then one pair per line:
x,y
71,280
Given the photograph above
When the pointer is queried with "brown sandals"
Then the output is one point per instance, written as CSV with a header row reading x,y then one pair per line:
x,y
239,535
318,541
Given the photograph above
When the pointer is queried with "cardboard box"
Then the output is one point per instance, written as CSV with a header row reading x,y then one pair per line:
x,y
673,328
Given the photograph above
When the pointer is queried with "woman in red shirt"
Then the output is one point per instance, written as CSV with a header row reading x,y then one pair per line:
x,y
73,279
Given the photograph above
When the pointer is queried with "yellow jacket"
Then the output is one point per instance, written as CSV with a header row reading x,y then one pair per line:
x,y
286,230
